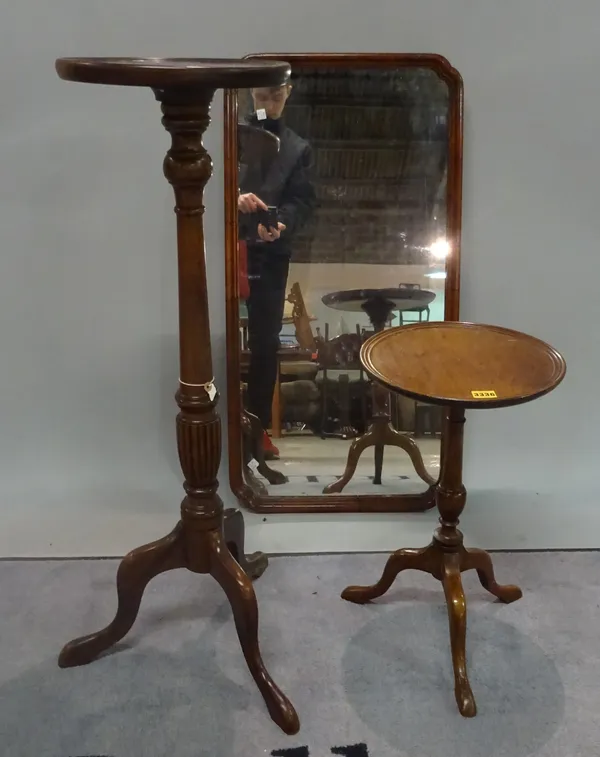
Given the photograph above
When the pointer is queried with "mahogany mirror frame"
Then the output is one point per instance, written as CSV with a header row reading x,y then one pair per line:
x,y
327,503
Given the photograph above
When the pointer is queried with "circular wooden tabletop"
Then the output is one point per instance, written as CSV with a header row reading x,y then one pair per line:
x,y
467,364
162,73
400,298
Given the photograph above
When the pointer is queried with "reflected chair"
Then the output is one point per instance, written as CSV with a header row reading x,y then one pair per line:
x,y
340,366
294,363
422,313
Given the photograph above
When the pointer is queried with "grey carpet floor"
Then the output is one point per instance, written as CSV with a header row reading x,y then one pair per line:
x,y
377,675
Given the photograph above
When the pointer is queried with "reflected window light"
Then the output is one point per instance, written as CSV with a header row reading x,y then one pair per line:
x,y
440,249
436,275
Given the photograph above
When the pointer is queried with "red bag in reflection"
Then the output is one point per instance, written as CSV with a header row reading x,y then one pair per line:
x,y
244,284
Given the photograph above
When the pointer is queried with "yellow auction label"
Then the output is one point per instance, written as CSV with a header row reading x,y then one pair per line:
x,y
484,394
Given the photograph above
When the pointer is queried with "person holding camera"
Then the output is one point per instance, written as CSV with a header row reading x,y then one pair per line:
x,y
275,201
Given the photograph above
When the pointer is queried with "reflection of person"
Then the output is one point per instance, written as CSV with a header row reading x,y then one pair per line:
x,y
285,184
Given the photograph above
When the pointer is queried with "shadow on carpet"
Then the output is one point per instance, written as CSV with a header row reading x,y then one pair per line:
x,y
372,681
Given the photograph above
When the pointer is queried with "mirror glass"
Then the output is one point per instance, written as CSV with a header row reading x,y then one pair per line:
x,y
342,232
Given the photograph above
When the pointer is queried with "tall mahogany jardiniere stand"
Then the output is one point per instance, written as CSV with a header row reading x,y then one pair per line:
x,y
459,366
205,540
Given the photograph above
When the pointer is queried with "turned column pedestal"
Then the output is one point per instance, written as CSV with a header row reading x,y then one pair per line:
x,y
205,540
458,365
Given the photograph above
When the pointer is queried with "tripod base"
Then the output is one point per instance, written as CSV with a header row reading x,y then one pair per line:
x,y
446,564
218,551
380,434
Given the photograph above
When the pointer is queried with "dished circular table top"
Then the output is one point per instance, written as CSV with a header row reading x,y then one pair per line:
x,y
467,364
161,73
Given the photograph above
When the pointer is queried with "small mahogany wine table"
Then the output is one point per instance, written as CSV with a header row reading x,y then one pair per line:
x,y
459,366
206,540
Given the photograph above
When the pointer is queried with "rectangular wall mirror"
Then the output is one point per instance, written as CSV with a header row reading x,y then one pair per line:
x,y
343,215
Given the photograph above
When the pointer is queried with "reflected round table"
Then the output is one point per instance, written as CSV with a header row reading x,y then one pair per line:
x,y
459,366
206,540
379,304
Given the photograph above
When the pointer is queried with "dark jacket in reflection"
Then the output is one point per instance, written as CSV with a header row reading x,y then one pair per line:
x,y
284,182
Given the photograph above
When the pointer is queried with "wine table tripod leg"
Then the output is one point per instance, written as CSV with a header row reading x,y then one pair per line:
x,y
457,618
446,567
480,560
445,559
403,559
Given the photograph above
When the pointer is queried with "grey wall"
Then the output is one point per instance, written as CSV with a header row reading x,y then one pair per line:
x,y
87,284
